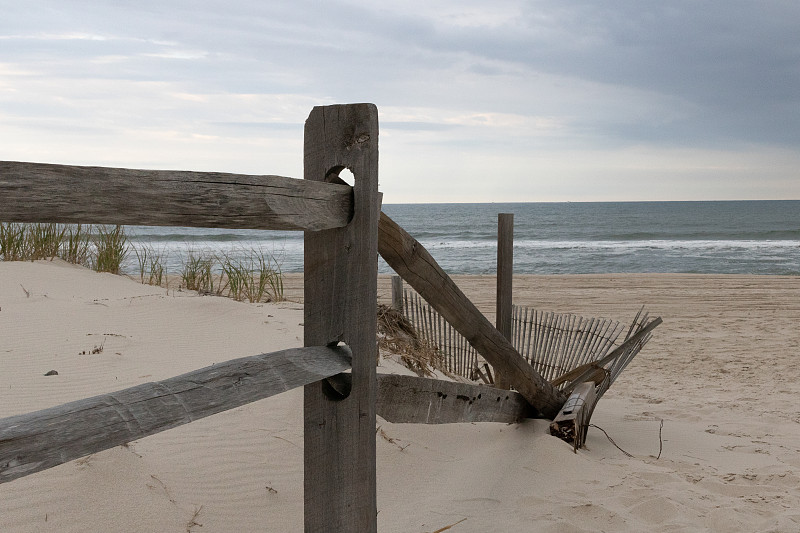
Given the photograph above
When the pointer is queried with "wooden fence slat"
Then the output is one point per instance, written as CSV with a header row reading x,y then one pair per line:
x,y
397,293
38,192
43,439
409,399
527,343
340,287
582,373
419,269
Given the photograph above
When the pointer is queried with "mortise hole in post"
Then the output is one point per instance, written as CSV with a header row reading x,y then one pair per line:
x,y
338,387
340,174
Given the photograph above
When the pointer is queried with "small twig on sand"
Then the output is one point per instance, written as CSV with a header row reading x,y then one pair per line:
x,y
193,521
166,490
390,440
27,294
445,528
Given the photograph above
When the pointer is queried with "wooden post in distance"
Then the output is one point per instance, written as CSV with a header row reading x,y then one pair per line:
x,y
505,276
397,293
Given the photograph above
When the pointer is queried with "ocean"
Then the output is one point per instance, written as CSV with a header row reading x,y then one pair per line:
x,y
725,237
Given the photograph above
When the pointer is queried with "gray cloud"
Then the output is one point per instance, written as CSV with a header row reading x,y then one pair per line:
x,y
505,77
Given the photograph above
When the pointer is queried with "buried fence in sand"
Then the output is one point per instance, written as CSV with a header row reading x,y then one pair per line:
x,y
344,232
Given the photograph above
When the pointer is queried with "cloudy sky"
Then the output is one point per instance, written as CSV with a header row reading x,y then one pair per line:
x,y
479,101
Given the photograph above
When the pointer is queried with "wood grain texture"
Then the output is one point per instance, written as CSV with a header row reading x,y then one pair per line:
x,y
419,269
409,399
505,276
36,192
340,285
43,439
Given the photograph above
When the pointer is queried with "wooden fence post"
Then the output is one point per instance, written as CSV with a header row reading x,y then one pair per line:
x,y
397,293
341,274
505,275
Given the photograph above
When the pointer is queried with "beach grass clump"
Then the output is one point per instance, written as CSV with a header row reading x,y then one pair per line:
x,y
111,248
75,245
30,242
152,269
12,241
43,241
197,272
254,276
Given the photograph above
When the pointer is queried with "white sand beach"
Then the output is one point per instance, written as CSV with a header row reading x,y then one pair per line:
x,y
720,372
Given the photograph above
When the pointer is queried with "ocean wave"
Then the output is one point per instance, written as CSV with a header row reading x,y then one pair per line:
x,y
653,244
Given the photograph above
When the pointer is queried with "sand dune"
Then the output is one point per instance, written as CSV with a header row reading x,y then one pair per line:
x,y
720,372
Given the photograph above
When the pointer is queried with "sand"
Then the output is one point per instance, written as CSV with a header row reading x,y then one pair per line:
x,y
720,373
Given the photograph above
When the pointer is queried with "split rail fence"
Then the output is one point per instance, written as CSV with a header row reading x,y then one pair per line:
x,y
344,232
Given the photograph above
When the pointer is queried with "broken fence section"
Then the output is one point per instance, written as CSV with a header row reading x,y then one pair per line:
x,y
553,343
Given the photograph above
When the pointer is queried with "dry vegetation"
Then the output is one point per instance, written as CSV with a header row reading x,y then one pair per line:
x,y
397,335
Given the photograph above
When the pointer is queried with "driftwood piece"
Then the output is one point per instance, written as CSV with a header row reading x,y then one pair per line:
x,y
341,275
419,269
43,439
37,192
409,399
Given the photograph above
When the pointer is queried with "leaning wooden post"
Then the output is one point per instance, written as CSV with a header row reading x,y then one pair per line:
x,y
341,274
505,275
397,293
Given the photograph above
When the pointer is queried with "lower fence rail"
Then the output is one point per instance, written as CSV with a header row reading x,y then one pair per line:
x,y
50,437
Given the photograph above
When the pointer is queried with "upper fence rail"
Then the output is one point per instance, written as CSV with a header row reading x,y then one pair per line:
x,y
38,192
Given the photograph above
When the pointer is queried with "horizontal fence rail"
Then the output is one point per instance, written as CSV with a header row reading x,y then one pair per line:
x,y
411,399
37,192
50,437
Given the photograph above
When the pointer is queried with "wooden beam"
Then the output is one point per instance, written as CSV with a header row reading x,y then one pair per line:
x,y
37,192
419,269
43,439
341,276
505,276
409,399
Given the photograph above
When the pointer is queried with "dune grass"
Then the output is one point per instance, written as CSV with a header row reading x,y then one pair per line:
x,y
197,272
111,247
12,239
248,275
104,250
75,246
254,276
151,264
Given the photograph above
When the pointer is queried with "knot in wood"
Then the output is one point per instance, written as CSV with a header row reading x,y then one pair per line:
x,y
361,139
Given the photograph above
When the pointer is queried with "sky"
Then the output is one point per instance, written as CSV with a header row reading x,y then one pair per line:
x,y
478,101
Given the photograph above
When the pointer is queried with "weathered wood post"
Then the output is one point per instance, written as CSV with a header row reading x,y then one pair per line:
x,y
341,274
505,275
397,293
